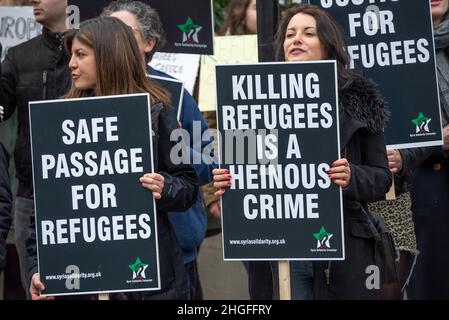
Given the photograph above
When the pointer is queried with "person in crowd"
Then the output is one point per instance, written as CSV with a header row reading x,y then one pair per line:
x,y
190,226
308,33
99,69
430,188
241,18
397,215
45,76
5,204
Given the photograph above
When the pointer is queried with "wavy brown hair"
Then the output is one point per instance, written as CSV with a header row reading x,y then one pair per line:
x,y
329,33
119,65
235,20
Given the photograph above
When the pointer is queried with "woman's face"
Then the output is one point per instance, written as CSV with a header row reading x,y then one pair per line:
x,y
251,17
83,66
439,9
301,39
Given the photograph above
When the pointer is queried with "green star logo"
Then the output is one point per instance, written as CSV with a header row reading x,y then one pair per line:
x,y
190,31
421,123
138,269
323,239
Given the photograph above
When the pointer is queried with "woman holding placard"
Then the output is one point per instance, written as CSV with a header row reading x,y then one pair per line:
x,y
308,33
105,60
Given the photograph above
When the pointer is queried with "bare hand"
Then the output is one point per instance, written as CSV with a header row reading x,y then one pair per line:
x,y
340,173
446,137
153,182
36,286
215,209
222,179
394,160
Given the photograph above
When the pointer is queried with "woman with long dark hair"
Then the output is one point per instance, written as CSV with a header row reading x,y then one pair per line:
x,y
105,60
308,33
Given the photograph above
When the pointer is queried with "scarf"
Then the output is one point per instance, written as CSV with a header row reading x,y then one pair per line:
x,y
441,36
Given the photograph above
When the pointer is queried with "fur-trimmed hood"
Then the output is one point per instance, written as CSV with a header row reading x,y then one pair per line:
x,y
361,101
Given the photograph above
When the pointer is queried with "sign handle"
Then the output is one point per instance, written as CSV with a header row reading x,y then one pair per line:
x,y
284,280
391,194
103,296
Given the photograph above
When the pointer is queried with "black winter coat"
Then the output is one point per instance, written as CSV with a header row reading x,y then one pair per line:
x,y
411,158
5,204
362,118
34,70
179,194
430,206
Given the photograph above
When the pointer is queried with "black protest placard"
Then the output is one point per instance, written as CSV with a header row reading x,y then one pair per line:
x,y
278,136
391,42
175,88
188,25
95,223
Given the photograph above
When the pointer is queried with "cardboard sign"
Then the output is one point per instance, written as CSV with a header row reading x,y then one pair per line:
x,y
178,65
229,50
17,25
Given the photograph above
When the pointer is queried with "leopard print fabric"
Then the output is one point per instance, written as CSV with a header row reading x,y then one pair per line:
x,y
397,215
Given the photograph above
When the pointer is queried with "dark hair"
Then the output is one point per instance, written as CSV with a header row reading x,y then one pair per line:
x,y
119,65
149,22
235,19
329,33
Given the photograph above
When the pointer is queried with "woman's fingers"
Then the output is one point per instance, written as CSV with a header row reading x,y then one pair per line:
x,y
225,183
156,195
339,169
340,162
341,183
394,160
221,174
153,182
219,192
36,286
155,189
339,176
220,171
153,178
152,187
340,173
222,179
